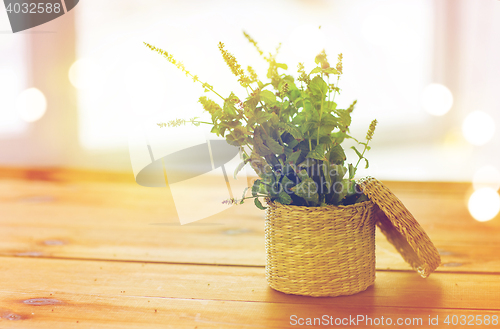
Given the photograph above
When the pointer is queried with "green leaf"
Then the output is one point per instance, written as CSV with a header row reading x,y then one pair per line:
x,y
367,163
328,124
275,189
303,175
259,204
357,152
300,119
351,188
344,119
229,109
272,160
340,193
292,130
268,97
293,143
244,193
307,189
256,187
318,153
258,143
252,101
326,174
337,155
297,101
272,125
238,136
315,70
290,80
318,87
284,198
329,105
257,163
238,169
293,157
352,171
268,179
326,140
282,66
362,198
281,162
329,119
338,137
216,130
261,117
287,184
232,124
308,162
273,145
331,70
337,172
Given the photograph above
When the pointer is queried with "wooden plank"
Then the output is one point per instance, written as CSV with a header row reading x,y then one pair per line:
x,y
217,244
85,218
116,220
56,174
42,277
44,293
92,311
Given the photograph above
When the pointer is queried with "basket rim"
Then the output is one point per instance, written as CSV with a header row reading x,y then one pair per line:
x,y
316,208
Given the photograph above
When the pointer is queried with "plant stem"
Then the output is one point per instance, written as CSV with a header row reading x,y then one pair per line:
x,y
320,115
336,86
207,123
362,156
253,197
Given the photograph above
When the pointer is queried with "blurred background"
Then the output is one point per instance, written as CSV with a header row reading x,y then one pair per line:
x,y
75,91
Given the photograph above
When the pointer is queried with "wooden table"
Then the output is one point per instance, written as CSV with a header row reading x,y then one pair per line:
x,y
96,250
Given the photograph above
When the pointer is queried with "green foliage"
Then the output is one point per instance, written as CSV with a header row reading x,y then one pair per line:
x,y
292,129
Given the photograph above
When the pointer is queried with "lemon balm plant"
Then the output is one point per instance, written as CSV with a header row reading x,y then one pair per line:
x,y
289,130
319,224
319,227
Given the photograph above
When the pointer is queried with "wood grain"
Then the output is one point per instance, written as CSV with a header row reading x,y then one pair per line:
x,y
226,283
92,311
95,250
93,219
125,294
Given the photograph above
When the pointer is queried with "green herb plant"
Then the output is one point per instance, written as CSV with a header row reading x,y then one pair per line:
x,y
289,130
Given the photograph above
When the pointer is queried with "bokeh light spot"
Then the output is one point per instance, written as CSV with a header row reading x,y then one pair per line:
x,y
484,204
478,128
31,105
487,176
437,99
83,73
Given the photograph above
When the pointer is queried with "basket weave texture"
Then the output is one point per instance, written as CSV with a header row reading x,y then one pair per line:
x,y
401,228
320,251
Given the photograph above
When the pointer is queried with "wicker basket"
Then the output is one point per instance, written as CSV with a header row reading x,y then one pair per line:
x,y
330,251
320,251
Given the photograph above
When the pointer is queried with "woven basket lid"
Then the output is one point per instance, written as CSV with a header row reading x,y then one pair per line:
x,y
401,228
